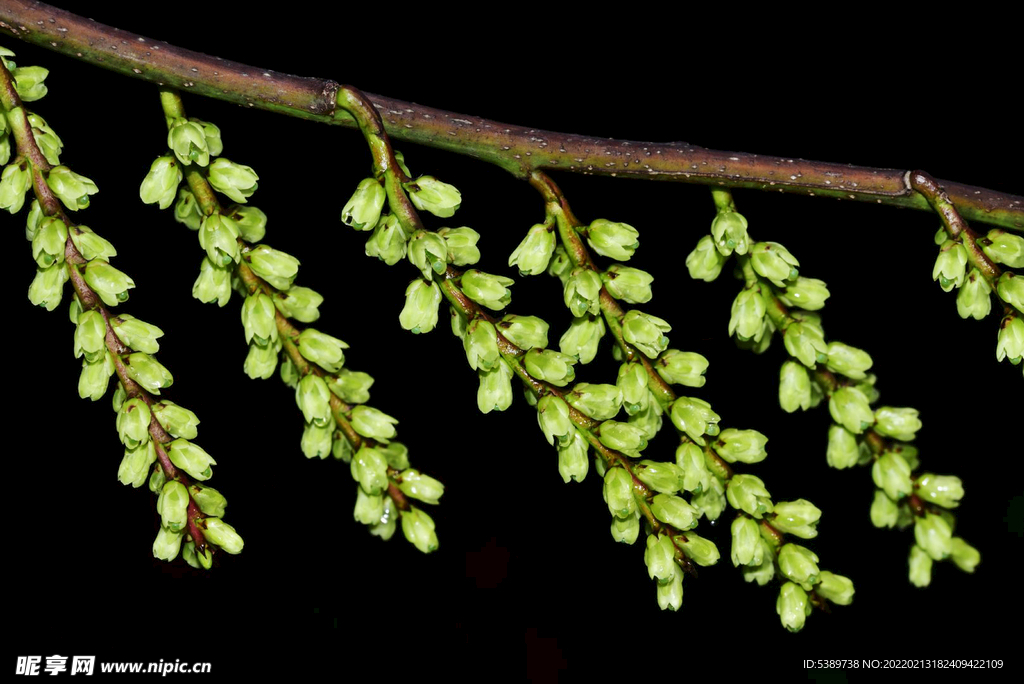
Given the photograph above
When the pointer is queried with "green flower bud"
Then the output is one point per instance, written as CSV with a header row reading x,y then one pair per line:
x,y
554,421
173,506
218,235
387,522
670,594
188,142
849,361
618,493
964,555
316,440
90,336
694,417
161,183
300,303
583,338
973,300
748,311
614,240
197,560
341,449
369,507
849,407
90,245
582,292
362,211
370,469
352,386
210,501
213,284
46,138
892,473
148,372
14,183
461,244
237,181
396,454
417,526
276,267
675,511
138,335
660,558
431,195
289,373
211,133
943,490
550,366
28,81
1010,342
807,293
899,423
495,390
186,209
690,459
322,349
92,383
373,423
762,572
799,518
72,188
746,542
109,283
34,218
951,266
223,535
701,551
792,606
486,289
600,402
134,468
626,530
1004,247
48,244
632,380
806,342
884,511
729,230
843,451
665,478
705,261
526,332
645,332
747,493
261,362
711,500
933,534
167,544
649,421
422,300
133,423
428,252
794,387
774,262
314,400
258,319
191,459
421,487
835,588
1011,289
251,222
920,567
623,437
573,463
481,345
561,265
628,284
5,147
682,368
533,254
745,446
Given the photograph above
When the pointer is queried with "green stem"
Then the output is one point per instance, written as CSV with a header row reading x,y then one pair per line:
x,y
517,149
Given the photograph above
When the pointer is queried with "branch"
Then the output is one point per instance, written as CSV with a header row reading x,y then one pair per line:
x,y
517,149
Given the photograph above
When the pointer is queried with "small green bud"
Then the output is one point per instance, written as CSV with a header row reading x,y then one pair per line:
x,y
134,468
370,469
645,332
748,311
421,487
526,332
934,535
665,478
600,402
387,523
618,493
178,421
258,319
417,526
711,500
794,387
835,588
486,289
964,555
90,245
628,284
533,254
660,558
300,303
388,241
213,284
701,551
682,368
90,336
48,244
806,341
34,218
210,501
431,195
237,181
109,283
849,407
289,373
561,265
807,293
47,139
276,267
582,293
632,380
573,463
951,265
148,372
341,449
223,535
428,252
352,386
161,183
1011,290
186,209
623,437
920,567
1004,247
167,544
973,300
173,506
28,81
14,183
626,530
373,423
72,188
461,243
369,507
362,211
197,560
762,572
188,142
1010,342
849,361
792,606
138,335
396,454
495,390
884,511
675,511
774,262
690,459
218,235
422,300
705,261
799,518
729,230
899,423
261,362
211,133
322,349
892,474
694,417
554,421
550,366
133,422
670,594
481,345
745,446
943,490
314,400
583,338
251,222
843,451
191,459
614,240
93,381
649,421
748,493
746,542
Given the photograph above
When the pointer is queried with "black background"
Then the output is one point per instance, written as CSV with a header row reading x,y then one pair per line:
x,y
526,565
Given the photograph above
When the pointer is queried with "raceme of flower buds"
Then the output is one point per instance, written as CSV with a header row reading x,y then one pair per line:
x,y
614,240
